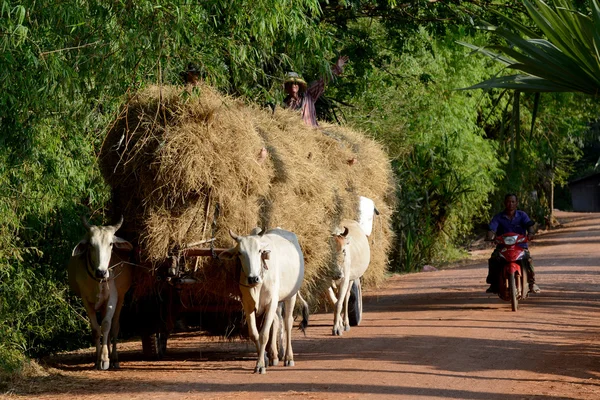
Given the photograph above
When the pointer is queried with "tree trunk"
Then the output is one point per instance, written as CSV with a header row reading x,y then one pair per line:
x,y
551,223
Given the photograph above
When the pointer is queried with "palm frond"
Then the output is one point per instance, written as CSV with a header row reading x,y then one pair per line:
x,y
567,61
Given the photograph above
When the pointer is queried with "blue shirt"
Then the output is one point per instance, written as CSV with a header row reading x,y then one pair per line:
x,y
501,224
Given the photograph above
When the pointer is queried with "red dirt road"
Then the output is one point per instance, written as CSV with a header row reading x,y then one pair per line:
x,y
433,335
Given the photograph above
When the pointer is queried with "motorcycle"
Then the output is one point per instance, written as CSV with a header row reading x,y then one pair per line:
x,y
513,285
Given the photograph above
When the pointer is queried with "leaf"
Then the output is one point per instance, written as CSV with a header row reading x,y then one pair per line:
x,y
536,105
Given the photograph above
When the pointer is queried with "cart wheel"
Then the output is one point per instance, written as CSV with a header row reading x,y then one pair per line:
x,y
154,346
355,304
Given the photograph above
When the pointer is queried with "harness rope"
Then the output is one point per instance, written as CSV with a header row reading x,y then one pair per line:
x,y
88,269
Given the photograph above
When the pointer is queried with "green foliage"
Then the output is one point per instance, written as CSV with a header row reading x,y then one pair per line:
x,y
566,61
430,131
65,69
548,152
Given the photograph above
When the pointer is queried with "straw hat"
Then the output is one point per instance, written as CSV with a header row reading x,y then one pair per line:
x,y
293,77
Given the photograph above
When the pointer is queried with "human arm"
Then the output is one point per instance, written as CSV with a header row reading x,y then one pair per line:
x,y
316,88
338,68
494,224
528,224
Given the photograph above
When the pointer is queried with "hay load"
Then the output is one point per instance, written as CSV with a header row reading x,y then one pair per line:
x,y
186,166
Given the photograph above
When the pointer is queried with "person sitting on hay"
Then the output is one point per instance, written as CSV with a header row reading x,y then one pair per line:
x,y
302,97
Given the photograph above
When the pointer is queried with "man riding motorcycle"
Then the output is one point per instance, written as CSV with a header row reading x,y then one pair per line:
x,y
510,220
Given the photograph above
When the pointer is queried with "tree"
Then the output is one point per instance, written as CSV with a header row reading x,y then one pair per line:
x,y
567,61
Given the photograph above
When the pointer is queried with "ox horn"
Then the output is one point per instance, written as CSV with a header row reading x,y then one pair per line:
x,y
118,224
85,222
234,236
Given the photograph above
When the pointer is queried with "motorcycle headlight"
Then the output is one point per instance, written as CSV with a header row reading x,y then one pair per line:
x,y
510,240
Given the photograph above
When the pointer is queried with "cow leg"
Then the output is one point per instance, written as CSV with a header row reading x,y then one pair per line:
x,y
331,295
346,300
249,311
264,337
251,322
338,326
114,333
288,321
272,348
106,327
96,334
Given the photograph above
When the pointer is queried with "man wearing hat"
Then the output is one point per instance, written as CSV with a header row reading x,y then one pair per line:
x,y
303,98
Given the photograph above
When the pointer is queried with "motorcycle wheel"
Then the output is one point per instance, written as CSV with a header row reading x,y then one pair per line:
x,y
513,292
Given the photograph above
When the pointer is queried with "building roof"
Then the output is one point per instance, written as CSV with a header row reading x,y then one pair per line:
x,y
585,178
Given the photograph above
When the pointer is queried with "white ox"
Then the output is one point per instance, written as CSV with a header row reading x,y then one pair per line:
x,y
101,278
272,272
352,256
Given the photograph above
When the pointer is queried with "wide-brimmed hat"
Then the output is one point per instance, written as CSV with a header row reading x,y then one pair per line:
x,y
293,77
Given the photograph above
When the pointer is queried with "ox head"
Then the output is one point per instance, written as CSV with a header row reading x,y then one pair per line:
x,y
252,251
98,244
342,253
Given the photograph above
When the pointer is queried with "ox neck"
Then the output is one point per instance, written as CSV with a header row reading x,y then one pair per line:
x,y
88,266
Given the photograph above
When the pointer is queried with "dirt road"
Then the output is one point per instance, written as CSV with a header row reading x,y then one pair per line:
x,y
432,335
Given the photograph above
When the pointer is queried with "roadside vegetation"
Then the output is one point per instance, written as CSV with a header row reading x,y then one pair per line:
x,y
66,68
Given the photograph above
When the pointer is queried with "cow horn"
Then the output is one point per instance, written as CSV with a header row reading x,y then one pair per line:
x,y
85,222
262,232
345,233
234,236
118,224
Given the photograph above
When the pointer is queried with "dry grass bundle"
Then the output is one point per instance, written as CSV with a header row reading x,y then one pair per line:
x,y
184,167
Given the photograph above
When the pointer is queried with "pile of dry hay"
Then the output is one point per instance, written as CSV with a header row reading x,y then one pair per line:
x,y
185,166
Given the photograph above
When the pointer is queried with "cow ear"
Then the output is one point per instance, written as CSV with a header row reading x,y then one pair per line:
x,y
80,248
122,244
265,254
229,254
256,231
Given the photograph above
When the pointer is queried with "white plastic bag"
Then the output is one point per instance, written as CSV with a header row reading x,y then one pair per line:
x,y
367,210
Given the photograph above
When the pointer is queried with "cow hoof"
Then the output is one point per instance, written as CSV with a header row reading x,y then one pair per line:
x,y
347,328
260,370
289,363
104,365
336,332
115,365
274,362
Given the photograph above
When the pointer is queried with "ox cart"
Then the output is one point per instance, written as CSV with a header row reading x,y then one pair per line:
x,y
165,308
186,166
155,317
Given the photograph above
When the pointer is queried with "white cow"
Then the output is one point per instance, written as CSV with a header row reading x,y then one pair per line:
x,y
101,277
272,272
352,255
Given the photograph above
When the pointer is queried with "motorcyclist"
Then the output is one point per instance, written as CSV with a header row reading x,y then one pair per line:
x,y
510,220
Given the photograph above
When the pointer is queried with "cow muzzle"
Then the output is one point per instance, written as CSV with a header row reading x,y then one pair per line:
x,y
101,274
338,274
253,280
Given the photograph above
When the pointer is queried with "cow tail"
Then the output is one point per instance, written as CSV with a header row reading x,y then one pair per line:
x,y
305,314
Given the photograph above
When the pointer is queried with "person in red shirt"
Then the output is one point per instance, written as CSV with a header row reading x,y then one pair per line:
x,y
303,97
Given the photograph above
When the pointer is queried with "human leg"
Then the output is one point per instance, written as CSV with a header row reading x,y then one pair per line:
x,y
533,287
493,270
